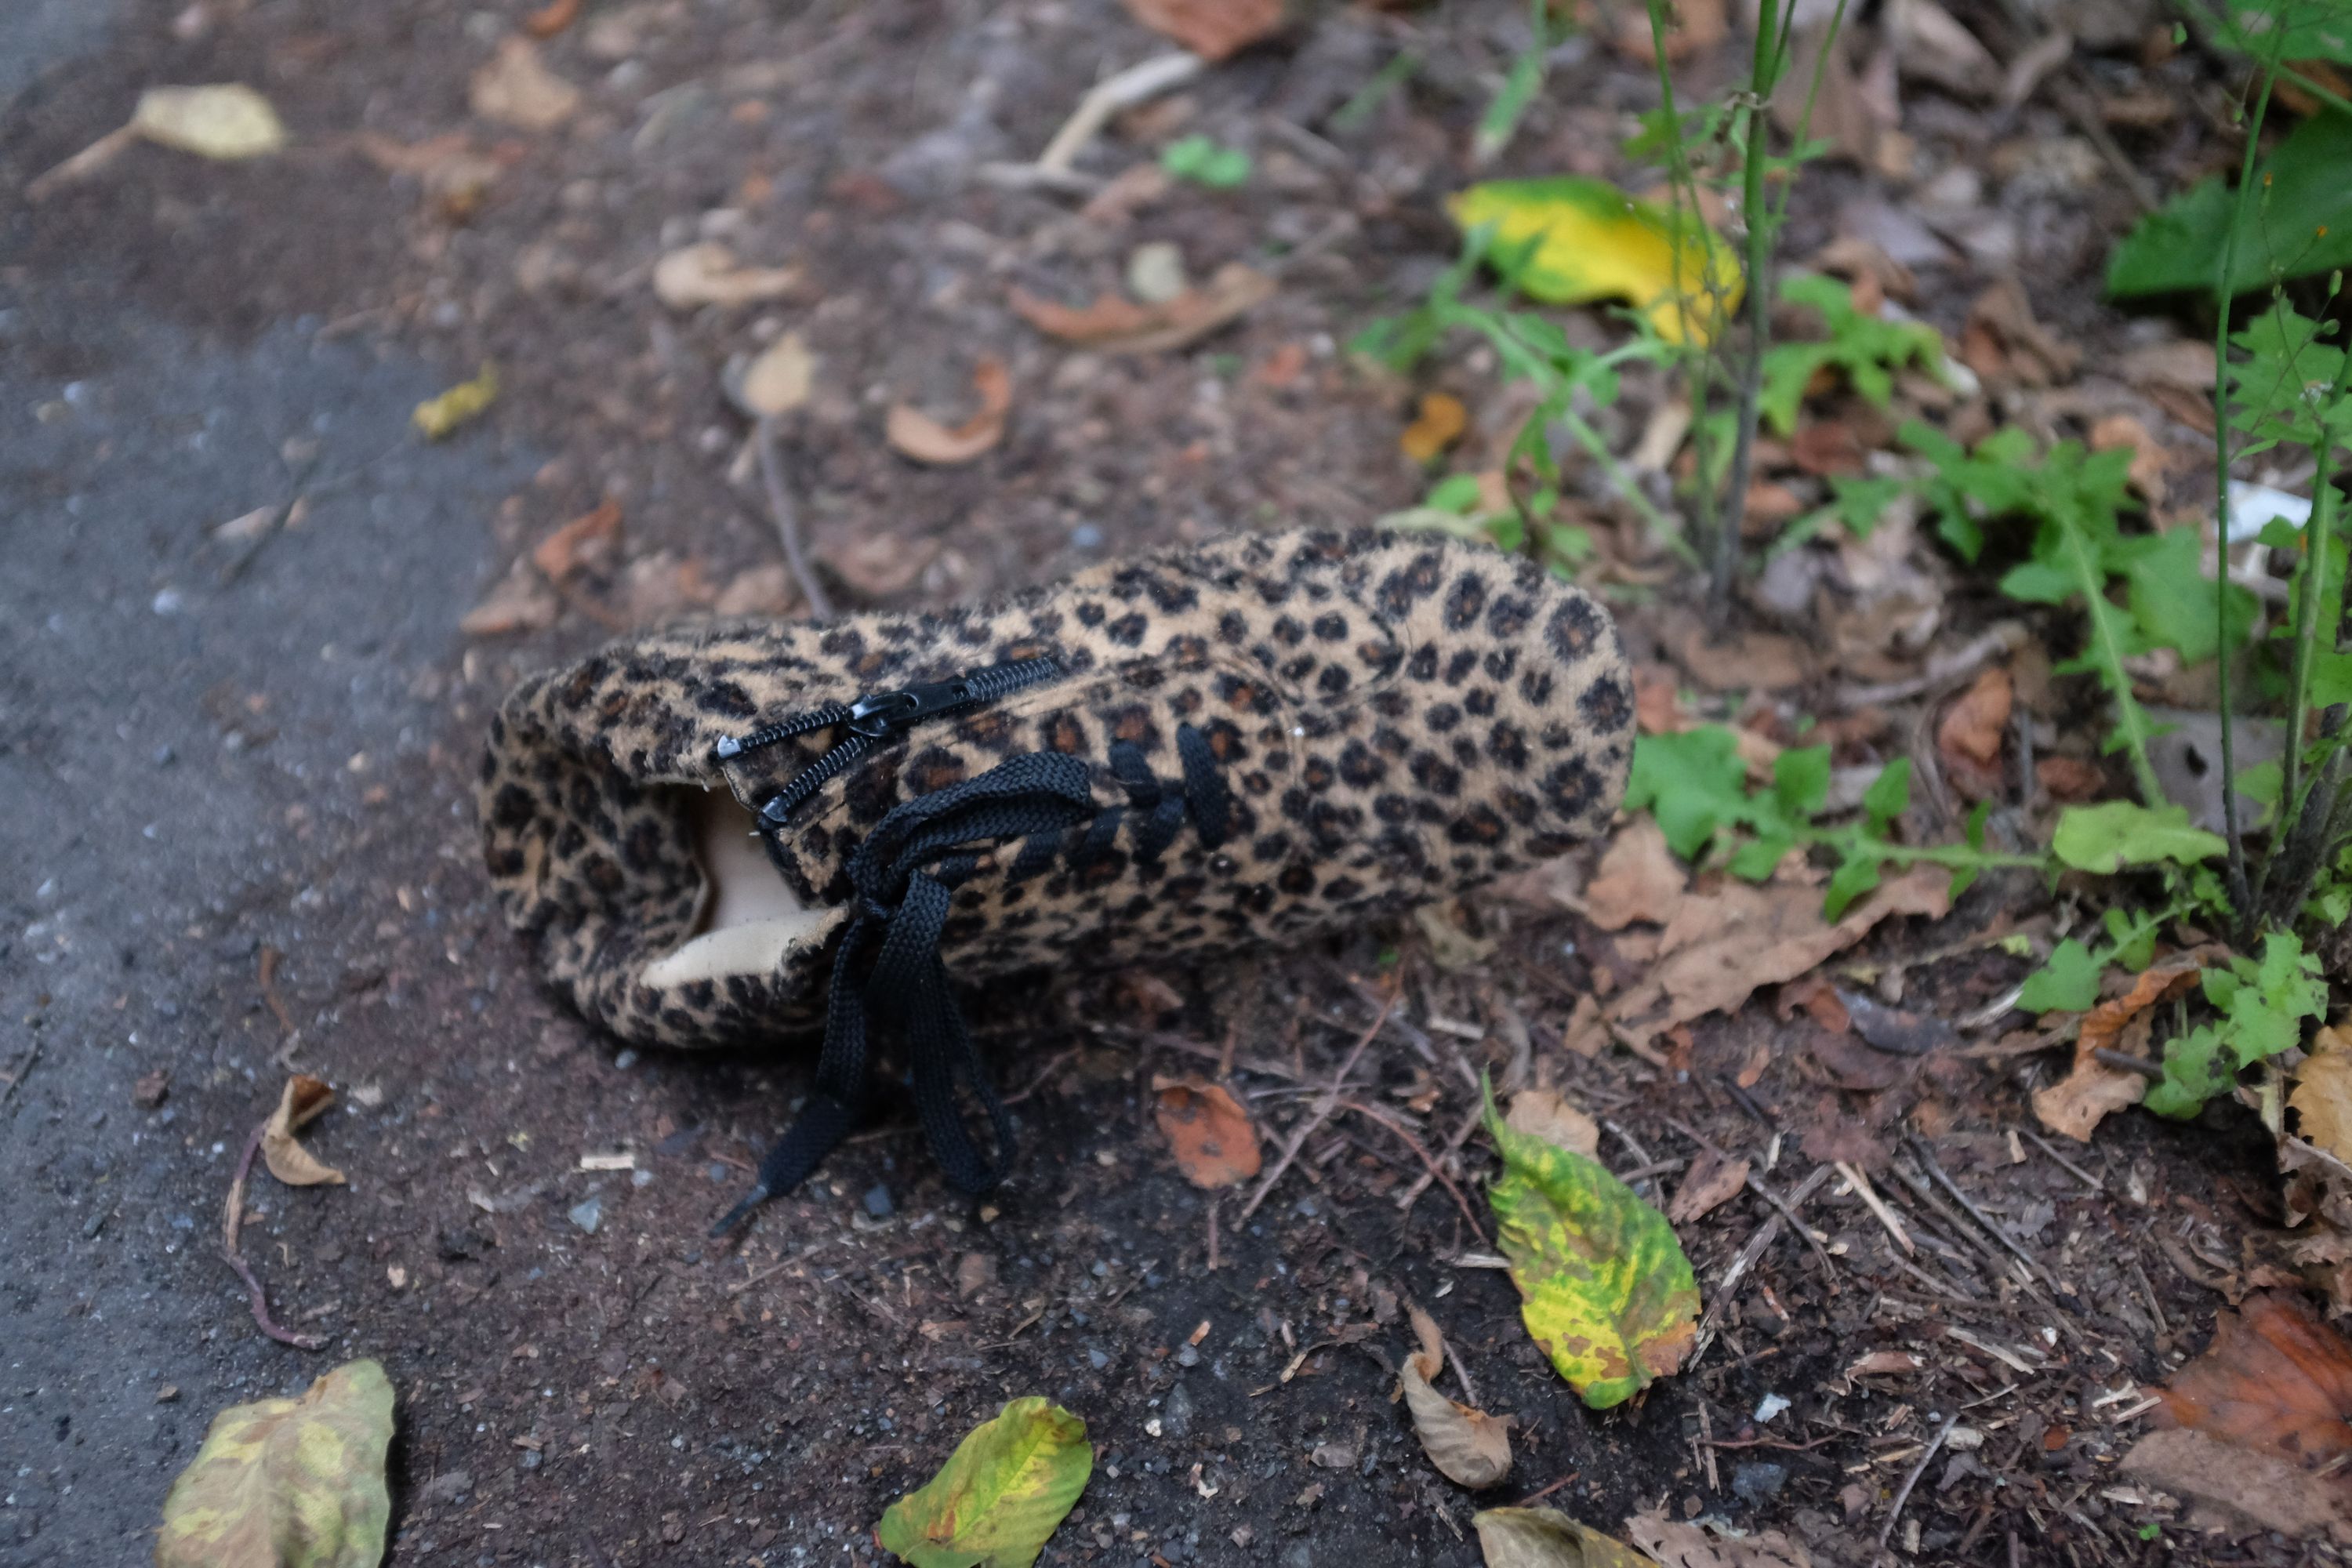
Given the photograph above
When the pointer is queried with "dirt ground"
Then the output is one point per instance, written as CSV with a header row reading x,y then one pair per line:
x,y
239,835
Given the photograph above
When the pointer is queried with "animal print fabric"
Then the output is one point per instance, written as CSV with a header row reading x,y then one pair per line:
x,y
1397,717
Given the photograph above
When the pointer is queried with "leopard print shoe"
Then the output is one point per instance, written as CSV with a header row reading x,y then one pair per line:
x,y
1266,737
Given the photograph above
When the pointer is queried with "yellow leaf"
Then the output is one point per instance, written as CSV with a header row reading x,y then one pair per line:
x,y
1547,1537
1585,240
227,119
1005,1488
1440,425
1605,1290
288,1483
439,415
2322,1100
299,1104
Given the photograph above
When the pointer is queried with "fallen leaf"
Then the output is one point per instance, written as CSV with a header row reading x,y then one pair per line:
x,y
2151,460
1739,661
1712,1180
2077,1103
437,416
1212,30
2275,1380
1849,110
999,1496
1934,47
710,273
1468,1446
288,1483
1214,1142
1719,948
1679,1543
1638,880
299,1104
1438,426
551,18
520,602
226,120
781,379
1605,1290
915,434
1120,326
1452,947
2234,1487
878,566
766,590
455,177
1972,732
1585,240
1542,1113
2322,1097
515,88
586,541
1547,1537
2002,342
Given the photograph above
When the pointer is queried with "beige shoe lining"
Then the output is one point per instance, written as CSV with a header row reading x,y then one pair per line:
x,y
749,919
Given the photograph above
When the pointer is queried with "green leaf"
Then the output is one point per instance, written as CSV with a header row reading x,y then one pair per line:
x,y
1575,240
2171,598
1863,348
2118,833
1692,782
1756,860
2068,983
1889,794
1202,161
1547,1537
2288,29
1800,780
2300,225
1857,874
2263,1006
1605,1288
1000,1494
288,1483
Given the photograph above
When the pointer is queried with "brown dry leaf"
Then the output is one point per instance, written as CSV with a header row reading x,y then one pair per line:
x,y
1934,47
300,1102
1430,1356
586,541
1972,732
2322,1097
1853,115
551,18
1120,326
710,274
2002,341
2234,1487
1468,1446
1743,661
2151,460
1676,1544
455,176
766,590
1212,30
1658,701
521,602
515,88
878,566
1721,946
1215,1144
915,434
2182,364
1712,1180
1638,880
1694,25
2079,1102
1542,1113
1438,426
2275,1381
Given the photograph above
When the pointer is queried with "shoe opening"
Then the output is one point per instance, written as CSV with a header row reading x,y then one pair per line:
x,y
749,919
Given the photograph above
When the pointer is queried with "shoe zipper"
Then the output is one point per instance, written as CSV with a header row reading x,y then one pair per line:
x,y
872,719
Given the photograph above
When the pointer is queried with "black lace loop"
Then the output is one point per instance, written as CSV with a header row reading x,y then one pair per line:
x,y
888,977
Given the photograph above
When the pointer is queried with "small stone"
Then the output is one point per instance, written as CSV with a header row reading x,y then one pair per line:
x,y
877,1202
1756,1482
531,1459
168,1392
1187,1356
152,1087
1334,1455
1097,1359
588,1214
1176,1413
1155,272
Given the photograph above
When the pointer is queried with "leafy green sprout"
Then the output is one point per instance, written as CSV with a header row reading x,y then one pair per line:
x,y
1205,163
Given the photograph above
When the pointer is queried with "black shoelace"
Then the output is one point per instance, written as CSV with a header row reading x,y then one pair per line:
x,y
889,978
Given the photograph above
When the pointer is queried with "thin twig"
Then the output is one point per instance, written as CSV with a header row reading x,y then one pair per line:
x,y
24,1070
1948,669
1322,1114
1903,1493
1860,1181
2085,1176
1927,1159
1469,1124
1427,1159
232,1221
1746,1258
1788,1212
1139,83
787,519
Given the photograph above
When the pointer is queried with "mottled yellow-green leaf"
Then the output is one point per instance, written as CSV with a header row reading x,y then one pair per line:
x,y
288,1483
1592,241
1000,1495
438,415
1547,1537
1605,1288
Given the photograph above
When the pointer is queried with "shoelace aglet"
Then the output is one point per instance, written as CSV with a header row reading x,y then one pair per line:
x,y
741,1212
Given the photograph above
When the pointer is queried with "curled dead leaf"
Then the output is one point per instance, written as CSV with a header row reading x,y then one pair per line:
x,y
516,88
2322,1097
710,274
1682,1543
551,18
1547,1537
586,541
520,602
299,1104
1542,1113
1638,880
1468,1446
2077,1103
2275,1380
1712,1180
1212,30
1973,730
1120,326
1438,426
2234,1487
1214,1142
915,434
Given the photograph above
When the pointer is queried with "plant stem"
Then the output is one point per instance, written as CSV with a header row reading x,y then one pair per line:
x,y
2131,722
2241,897
1733,518
1697,361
